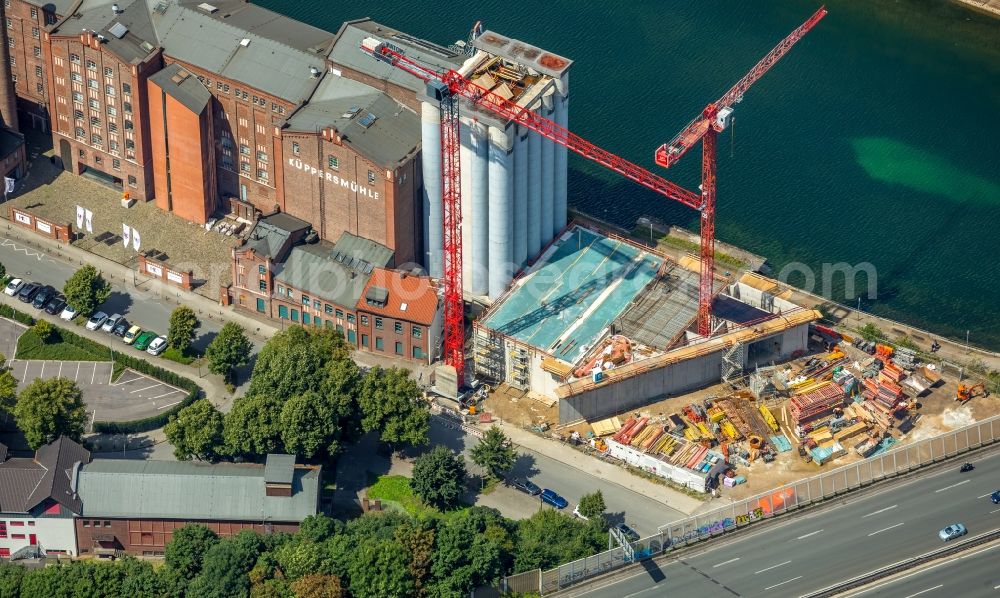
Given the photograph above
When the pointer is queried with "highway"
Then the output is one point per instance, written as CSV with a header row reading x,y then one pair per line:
x,y
806,553
974,573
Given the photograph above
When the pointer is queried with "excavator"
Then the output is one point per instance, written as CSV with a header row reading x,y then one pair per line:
x,y
967,392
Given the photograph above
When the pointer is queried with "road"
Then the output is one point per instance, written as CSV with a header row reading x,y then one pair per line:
x,y
803,554
639,512
972,574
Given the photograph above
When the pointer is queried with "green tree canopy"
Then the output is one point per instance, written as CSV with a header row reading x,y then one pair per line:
x,y
253,426
43,330
228,351
8,388
183,324
390,404
495,453
549,538
187,548
86,290
871,332
471,550
318,528
592,505
196,431
309,425
378,569
225,567
318,586
291,361
439,477
50,408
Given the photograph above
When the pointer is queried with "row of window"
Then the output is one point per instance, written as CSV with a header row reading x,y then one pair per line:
x,y
96,523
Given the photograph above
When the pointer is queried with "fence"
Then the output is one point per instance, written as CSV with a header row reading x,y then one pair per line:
x,y
780,500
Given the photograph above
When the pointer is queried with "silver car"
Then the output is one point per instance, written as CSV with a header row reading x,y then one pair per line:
x,y
111,322
955,530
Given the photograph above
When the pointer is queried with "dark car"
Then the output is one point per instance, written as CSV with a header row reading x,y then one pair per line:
x,y
55,305
995,497
28,291
527,486
628,532
42,297
553,499
121,328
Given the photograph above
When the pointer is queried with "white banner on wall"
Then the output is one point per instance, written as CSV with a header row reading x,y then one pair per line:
x,y
154,269
22,218
174,277
43,226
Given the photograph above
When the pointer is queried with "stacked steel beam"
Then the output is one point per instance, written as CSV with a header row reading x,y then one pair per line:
x,y
820,401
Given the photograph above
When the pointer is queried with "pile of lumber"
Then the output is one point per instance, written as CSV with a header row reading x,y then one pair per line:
x,y
820,400
885,393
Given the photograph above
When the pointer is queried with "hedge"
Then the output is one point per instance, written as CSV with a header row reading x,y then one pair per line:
x,y
140,365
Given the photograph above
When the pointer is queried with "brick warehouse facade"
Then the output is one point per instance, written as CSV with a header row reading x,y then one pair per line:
x,y
280,128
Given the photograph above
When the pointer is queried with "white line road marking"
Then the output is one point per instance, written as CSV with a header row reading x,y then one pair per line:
x,y
952,486
995,511
111,372
985,495
169,405
809,534
93,419
887,529
925,591
880,511
122,381
782,583
772,567
60,369
93,376
996,587
164,395
78,364
146,388
726,563
43,370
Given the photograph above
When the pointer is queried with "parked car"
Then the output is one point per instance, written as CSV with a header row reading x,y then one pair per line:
x,y
131,334
142,341
157,346
527,486
551,497
628,532
27,292
55,305
13,286
995,497
68,312
955,530
42,297
121,328
96,320
111,322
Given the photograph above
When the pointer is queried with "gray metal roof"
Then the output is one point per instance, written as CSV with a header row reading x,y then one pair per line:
x,y
343,103
26,483
268,24
270,233
279,469
276,65
335,272
195,491
183,86
96,15
347,52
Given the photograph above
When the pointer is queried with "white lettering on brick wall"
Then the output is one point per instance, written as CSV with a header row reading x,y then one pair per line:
x,y
353,186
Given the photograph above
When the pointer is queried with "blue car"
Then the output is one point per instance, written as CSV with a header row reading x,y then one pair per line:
x,y
553,499
995,497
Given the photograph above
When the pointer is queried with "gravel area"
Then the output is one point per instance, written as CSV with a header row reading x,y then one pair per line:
x,y
50,192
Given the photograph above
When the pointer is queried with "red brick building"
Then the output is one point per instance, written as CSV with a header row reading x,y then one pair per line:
x,y
399,315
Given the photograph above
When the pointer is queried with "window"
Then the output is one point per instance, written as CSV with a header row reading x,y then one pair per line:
x,y
263,285
112,127
236,92
379,344
316,304
50,18
328,323
109,72
77,77
91,65
245,167
290,293
38,52
364,320
96,139
34,32
39,87
127,107
107,524
82,153
305,318
116,164
399,348
129,144
126,88
333,162
244,149
74,58
92,83
255,100
81,134
418,353
38,71
113,145
225,87
417,332
128,125
95,122
262,269
260,305
295,315
93,103
17,536
295,148
371,177
398,328
378,323
34,12
305,300
283,312
131,181
78,114
109,89
350,318
17,524
364,340
77,96
281,289
262,156
340,314
86,523
327,308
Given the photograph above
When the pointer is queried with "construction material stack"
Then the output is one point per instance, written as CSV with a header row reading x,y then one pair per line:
x,y
816,401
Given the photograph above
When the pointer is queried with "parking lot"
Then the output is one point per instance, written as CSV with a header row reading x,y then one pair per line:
x,y
132,396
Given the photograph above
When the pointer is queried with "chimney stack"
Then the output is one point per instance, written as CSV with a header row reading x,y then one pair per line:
x,y
8,99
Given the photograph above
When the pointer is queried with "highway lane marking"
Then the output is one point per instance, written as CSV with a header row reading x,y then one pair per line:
x,y
952,486
726,563
142,389
925,591
887,529
880,511
772,567
922,571
809,534
782,583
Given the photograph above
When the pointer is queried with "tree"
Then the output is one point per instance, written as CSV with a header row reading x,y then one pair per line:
x,y
10,579
308,425
3,273
871,332
495,453
8,389
377,569
228,351
390,404
548,538
86,290
439,477
50,408
183,324
225,567
301,557
592,505
418,540
472,550
43,330
317,528
196,431
187,549
290,362
253,426
318,586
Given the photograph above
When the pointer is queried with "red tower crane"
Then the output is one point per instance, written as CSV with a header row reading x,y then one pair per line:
x,y
706,128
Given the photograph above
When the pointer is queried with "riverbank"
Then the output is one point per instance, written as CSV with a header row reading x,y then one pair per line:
x,y
990,7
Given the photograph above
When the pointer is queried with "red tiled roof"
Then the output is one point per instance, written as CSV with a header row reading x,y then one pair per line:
x,y
411,298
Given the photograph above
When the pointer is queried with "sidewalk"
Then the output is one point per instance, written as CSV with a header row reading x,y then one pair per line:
x,y
607,471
